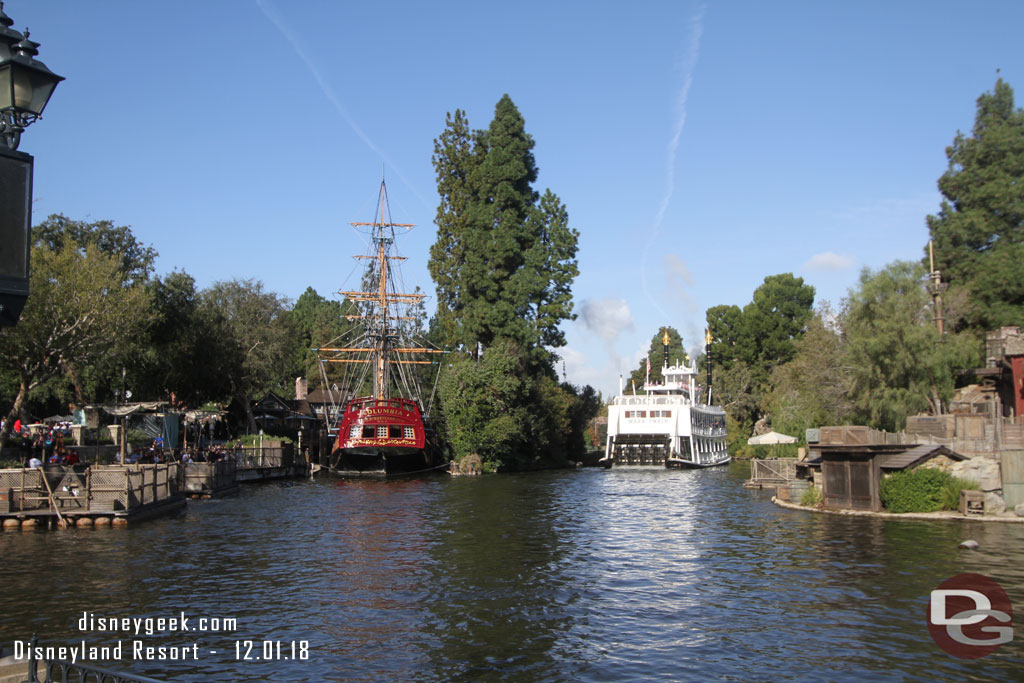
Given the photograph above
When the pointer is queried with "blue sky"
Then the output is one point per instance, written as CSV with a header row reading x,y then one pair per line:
x,y
698,146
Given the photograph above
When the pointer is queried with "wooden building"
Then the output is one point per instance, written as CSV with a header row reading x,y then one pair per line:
x,y
852,473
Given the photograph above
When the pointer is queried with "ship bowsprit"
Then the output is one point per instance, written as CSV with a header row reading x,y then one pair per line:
x,y
641,449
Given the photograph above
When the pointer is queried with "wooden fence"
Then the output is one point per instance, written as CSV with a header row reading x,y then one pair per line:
x,y
100,488
772,471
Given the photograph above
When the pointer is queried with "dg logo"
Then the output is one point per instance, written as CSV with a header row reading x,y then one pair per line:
x,y
970,616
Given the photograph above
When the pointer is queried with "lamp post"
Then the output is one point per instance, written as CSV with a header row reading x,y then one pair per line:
x,y
26,85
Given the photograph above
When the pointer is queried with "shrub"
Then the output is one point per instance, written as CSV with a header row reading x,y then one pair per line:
x,y
745,451
920,490
811,497
951,493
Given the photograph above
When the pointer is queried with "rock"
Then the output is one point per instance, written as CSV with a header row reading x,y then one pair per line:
x,y
1019,510
994,503
969,545
984,471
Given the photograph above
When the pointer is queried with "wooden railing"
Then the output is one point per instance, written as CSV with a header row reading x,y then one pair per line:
x,y
772,471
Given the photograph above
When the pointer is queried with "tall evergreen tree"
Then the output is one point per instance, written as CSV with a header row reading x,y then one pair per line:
x,y
656,356
979,230
453,160
505,257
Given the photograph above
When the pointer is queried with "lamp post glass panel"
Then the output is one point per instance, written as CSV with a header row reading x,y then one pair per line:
x,y
26,85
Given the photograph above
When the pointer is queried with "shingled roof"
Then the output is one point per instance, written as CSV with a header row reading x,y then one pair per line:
x,y
915,456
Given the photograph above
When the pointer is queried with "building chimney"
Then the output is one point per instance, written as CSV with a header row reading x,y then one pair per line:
x,y
301,388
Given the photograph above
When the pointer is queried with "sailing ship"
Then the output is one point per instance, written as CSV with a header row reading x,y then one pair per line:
x,y
386,430
667,425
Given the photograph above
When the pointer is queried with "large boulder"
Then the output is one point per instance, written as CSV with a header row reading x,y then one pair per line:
x,y
994,503
984,471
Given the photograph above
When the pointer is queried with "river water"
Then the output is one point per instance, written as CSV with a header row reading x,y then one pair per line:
x,y
571,575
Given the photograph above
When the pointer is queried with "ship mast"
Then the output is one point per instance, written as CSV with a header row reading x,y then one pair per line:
x,y
380,331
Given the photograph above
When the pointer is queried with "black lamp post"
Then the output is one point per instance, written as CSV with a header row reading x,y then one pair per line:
x,y
25,87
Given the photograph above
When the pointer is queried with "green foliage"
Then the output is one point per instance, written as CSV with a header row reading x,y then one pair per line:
x,y
258,339
505,257
749,344
918,490
79,312
59,232
979,229
318,322
813,388
898,365
951,492
485,405
747,451
656,355
183,357
513,420
812,497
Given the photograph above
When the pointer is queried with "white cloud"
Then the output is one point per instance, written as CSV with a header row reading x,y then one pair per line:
x,y
608,318
829,261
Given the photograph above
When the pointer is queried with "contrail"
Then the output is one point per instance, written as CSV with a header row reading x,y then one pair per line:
x,y
689,64
270,12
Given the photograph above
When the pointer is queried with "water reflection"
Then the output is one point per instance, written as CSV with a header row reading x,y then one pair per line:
x,y
590,575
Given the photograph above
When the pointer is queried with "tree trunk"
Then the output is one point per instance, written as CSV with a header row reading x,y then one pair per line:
x,y
250,419
76,382
15,411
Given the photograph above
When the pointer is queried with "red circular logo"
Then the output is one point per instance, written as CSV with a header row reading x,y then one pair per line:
x,y
970,616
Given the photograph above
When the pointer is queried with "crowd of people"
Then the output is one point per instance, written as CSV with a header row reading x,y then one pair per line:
x,y
52,445
45,443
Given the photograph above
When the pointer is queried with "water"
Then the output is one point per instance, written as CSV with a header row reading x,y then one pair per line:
x,y
573,575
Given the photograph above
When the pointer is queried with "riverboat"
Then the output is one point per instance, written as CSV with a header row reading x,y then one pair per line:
x,y
667,425
386,430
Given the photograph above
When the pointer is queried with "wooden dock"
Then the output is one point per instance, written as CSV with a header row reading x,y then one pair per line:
x,y
100,495
114,495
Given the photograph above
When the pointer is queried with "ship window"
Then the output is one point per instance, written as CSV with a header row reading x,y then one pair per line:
x,y
395,432
353,433
409,432
382,432
368,432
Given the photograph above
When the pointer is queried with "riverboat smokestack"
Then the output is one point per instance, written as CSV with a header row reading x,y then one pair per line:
x,y
707,355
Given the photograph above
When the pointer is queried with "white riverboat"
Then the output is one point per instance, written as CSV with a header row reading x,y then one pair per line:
x,y
667,425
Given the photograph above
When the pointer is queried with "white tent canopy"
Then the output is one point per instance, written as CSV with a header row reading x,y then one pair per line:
x,y
770,438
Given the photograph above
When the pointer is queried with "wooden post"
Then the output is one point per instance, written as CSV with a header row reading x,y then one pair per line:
x,y
53,503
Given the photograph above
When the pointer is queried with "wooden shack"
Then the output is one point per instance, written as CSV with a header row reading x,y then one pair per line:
x,y
852,473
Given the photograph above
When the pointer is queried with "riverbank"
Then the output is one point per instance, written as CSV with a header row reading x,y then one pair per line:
x,y
942,515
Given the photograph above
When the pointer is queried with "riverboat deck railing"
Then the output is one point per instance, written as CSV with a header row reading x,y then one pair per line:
x,y
651,400
707,431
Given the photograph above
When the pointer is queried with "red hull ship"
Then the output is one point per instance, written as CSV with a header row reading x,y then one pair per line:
x,y
387,431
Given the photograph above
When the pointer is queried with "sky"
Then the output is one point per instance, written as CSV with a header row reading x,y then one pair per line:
x,y
698,146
